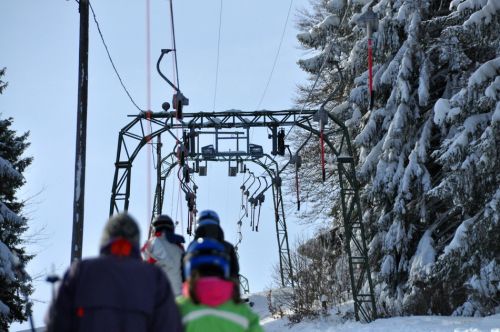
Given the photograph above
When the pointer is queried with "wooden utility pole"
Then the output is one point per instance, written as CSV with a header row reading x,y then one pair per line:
x,y
81,134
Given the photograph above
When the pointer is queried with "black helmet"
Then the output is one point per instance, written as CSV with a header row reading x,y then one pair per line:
x,y
207,256
208,215
163,223
209,229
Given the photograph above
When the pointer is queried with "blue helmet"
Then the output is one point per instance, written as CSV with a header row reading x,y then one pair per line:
x,y
208,216
206,252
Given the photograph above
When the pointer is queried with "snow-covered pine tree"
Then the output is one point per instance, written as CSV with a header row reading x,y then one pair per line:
x,y
15,283
428,150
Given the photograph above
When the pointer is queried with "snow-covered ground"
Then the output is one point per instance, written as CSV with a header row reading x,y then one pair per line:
x,y
336,323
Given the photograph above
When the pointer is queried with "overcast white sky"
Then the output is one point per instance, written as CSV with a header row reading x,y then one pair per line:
x,y
39,47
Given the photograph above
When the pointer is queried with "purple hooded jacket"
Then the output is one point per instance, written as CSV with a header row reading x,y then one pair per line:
x,y
113,293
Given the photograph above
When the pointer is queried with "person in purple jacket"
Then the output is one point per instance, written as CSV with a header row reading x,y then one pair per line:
x,y
115,291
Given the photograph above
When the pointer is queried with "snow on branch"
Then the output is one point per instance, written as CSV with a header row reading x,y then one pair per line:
x,y
485,14
492,209
486,72
422,262
7,215
458,243
368,133
493,90
392,70
443,113
371,160
313,65
455,147
316,36
7,263
335,5
496,115
8,171
423,83
468,4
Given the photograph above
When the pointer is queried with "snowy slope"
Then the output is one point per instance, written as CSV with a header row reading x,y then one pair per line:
x,y
335,323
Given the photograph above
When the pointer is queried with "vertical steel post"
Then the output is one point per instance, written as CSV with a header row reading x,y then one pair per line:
x,y
81,134
158,201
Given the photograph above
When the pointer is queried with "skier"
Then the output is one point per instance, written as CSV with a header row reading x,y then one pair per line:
x,y
165,250
208,226
208,302
115,291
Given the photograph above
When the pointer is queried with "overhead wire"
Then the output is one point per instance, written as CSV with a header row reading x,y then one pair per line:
x,y
175,70
111,59
148,114
276,56
174,43
218,56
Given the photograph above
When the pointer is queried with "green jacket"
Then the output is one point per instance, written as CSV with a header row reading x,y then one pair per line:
x,y
227,317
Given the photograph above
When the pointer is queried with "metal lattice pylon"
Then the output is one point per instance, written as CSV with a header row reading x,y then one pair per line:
x,y
133,137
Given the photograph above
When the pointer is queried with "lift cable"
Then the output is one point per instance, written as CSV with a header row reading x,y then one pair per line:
x,y
111,59
173,41
148,116
175,70
218,56
276,56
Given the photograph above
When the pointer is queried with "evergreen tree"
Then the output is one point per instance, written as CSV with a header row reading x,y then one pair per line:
x,y
428,151
15,283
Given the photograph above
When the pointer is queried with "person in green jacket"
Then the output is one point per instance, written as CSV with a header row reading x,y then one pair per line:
x,y
208,303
